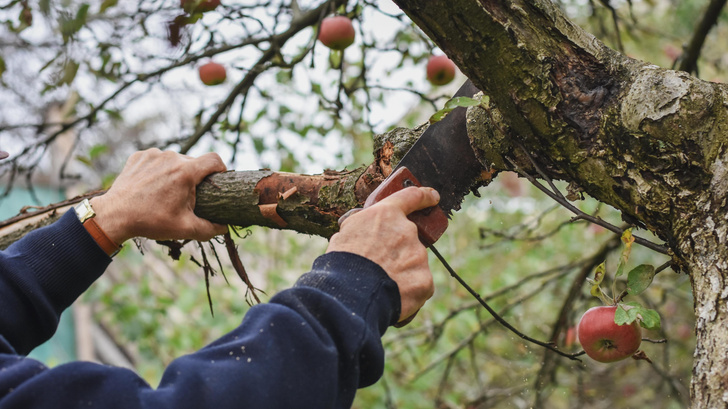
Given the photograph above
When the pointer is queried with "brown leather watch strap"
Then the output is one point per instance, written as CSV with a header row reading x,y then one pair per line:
x,y
101,238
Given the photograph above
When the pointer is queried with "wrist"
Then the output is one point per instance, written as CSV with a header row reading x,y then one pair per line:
x,y
94,225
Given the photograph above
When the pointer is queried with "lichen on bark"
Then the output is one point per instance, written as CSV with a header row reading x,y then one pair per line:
x,y
648,141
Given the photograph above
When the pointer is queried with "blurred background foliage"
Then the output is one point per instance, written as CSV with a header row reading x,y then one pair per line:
x,y
85,83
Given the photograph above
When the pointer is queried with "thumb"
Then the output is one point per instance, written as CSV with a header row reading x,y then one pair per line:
x,y
412,199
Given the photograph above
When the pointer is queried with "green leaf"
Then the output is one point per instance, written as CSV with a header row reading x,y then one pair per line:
x,y
620,316
113,114
458,102
640,278
634,311
69,73
85,160
650,319
2,66
108,180
45,7
97,150
70,26
335,59
107,4
82,13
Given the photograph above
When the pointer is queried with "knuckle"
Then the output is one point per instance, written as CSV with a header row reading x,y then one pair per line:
x,y
169,155
149,153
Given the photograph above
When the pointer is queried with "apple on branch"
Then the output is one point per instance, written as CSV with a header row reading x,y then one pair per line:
x,y
440,70
212,73
337,32
613,332
605,341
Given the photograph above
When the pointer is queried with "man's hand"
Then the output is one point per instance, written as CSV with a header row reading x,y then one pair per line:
x,y
382,233
154,197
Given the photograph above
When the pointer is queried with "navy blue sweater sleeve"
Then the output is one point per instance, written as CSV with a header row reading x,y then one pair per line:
x,y
311,346
41,275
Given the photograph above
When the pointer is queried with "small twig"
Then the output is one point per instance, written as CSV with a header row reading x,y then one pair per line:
x,y
207,268
219,262
239,267
523,232
556,195
667,264
495,315
689,59
655,341
437,328
615,20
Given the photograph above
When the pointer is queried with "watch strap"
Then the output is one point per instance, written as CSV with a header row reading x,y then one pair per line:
x,y
86,215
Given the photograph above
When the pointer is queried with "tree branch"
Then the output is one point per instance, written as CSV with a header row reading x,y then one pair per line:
x,y
689,59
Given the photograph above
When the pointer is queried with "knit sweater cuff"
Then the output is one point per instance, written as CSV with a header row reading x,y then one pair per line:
x,y
358,283
71,260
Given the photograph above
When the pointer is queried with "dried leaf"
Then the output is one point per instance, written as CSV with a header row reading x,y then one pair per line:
x,y
239,267
627,239
641,356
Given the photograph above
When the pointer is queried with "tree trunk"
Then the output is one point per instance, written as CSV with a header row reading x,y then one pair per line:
x,y
651,142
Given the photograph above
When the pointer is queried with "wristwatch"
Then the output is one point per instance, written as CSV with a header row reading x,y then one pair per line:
x,y
86,215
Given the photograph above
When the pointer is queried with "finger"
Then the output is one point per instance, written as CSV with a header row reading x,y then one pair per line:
x,y
209,163
218,229
412,199
346,215
204,230
140,156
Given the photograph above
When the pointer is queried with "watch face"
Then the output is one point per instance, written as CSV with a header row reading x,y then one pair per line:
x,y
84,211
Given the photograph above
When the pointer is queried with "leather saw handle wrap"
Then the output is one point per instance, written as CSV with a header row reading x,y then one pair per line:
x,y
431,222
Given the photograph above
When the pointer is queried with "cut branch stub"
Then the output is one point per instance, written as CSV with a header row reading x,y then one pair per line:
x,y
309,204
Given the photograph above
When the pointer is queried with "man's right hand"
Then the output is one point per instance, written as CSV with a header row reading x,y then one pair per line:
x,y
383,233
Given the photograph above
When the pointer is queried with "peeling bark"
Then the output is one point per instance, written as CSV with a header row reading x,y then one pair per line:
x,y
309,204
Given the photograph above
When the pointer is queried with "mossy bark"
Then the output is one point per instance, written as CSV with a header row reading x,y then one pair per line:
x,y
651,142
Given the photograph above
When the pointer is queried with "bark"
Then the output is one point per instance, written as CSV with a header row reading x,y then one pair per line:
x,y
309,204
651,142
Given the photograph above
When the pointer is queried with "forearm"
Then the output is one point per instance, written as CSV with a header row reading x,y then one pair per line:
x,y
41,275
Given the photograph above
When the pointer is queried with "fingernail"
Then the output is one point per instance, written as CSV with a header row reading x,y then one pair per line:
x,y
435,195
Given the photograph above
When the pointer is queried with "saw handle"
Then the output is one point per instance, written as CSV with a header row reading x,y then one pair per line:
x,y
431,222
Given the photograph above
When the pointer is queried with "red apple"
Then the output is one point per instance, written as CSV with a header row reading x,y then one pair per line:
x,y
337,32
605,341
440,70
212,73
570,337
199,6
